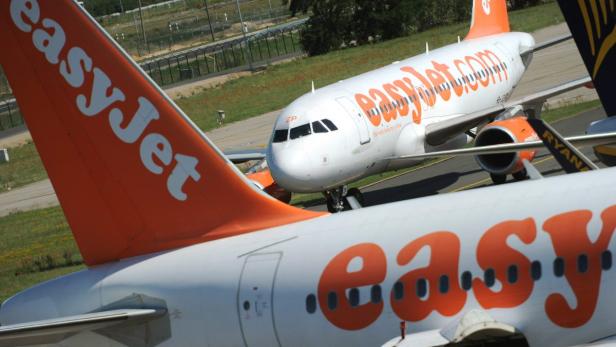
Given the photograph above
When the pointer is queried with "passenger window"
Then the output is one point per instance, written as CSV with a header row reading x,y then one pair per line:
x,y
281,135
311,304
398,291
328,123
332,301
606,260
300,131
535,270
582,263
443,284
489,277
317,127
559,267
354,297
467,280
512,274
421,287
375,294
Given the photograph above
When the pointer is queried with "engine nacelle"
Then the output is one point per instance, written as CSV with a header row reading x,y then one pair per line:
x,y
514,130
605,153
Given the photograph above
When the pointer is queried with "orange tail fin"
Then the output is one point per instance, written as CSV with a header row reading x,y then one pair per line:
x,y
133,174
489,17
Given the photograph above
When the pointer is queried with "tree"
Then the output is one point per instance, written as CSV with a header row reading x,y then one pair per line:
x,y
296,6
329,26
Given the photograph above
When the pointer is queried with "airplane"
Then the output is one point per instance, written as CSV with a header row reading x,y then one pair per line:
x,y
380,120
182,250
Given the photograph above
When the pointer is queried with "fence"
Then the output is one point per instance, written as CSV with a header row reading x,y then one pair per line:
x,y
261,48
10,116
215,59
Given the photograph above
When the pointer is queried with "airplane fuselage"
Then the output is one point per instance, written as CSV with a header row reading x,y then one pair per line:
x,y
349,279
383,113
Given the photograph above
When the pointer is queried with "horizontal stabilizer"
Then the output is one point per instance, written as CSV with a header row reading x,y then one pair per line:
x,y
242,156
55,330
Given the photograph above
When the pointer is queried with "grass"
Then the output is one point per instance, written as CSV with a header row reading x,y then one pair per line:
x,y
24,167
264,92
27,236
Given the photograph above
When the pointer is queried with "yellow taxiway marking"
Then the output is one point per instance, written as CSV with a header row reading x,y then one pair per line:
x,y
406,172
486,180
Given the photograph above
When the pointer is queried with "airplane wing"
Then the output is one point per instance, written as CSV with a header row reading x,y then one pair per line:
x,y
55,330
583,140
242,156
441,132
606,342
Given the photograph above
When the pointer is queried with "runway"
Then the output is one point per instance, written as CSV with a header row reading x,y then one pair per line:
x,y
456,174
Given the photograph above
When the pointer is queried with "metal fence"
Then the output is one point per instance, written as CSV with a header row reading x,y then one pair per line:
x,y
10,116
259,49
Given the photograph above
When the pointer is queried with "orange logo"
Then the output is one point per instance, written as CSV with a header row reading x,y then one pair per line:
x,y
405,96
570,242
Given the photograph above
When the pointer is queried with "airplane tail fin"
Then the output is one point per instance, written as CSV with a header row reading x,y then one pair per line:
x,y
593,25
133,174
489,18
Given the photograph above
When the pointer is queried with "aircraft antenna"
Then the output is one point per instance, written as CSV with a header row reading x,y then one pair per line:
x,y
313,87
427,48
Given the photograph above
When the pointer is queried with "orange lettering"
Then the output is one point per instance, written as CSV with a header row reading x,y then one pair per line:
x,y
439,82
459,65
443,290
408,88
517,286
403,107
429,98
571,243
336,279
444,69
384,104
367,105
478,72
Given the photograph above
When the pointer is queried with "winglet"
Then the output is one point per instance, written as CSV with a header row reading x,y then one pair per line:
x,y
133,174
489,18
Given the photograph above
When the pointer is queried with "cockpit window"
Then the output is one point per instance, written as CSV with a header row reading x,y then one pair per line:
x,y
317,127
329,124
300,131
281,135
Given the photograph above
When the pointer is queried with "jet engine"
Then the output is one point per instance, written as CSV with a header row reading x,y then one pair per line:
x,y
513,130
605,153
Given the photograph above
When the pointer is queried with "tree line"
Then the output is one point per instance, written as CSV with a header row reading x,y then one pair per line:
x,y
334,23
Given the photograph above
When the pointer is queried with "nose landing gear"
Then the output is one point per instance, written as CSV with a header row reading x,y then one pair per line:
x,y
342,199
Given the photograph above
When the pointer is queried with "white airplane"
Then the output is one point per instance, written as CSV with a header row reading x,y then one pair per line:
x,y
182,250
380,120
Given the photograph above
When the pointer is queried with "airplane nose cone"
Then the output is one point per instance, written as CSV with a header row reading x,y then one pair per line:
x,y
291,168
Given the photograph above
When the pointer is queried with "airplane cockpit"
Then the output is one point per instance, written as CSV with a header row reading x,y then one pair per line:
x,y
317,127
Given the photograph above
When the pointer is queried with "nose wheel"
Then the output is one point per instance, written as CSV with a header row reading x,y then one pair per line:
x,y
343,199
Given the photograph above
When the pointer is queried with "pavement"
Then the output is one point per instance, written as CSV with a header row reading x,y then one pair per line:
x,y
553,66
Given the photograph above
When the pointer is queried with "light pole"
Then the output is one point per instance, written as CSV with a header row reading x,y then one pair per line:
x,y
246,46
145,39
270,5
207,11
121,7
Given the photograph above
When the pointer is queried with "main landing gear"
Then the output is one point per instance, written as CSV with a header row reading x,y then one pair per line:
x,y
342,199
518,176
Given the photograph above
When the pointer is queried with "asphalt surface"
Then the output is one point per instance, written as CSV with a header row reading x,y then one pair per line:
x,y
462,173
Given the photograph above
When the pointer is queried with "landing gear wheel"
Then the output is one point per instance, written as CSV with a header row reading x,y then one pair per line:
x,y
498,179
335,200
521,175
